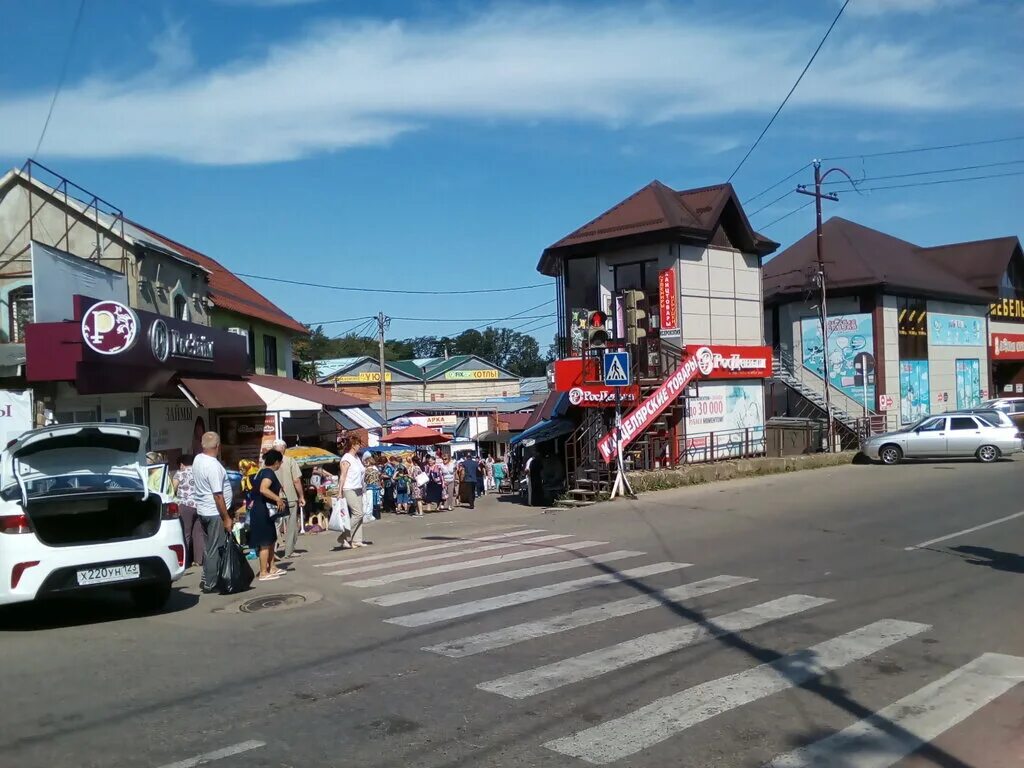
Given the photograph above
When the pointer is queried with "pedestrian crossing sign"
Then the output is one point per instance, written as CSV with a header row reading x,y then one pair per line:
x,y
616,369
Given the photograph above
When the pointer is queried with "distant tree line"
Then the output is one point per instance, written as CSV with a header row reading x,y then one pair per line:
x,y
511,350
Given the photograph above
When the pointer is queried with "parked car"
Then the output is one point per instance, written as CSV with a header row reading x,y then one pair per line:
x,y
77,514
959,434
1011,406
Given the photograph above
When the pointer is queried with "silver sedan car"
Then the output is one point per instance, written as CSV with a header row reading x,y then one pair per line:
x,y
947,435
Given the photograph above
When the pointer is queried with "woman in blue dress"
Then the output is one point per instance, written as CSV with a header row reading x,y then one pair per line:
x,y
267,503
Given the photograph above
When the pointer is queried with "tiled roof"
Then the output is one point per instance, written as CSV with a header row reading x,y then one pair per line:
x,y
982,263
857,257
230,292
658,211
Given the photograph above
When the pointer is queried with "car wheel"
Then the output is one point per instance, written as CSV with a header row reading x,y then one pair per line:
x,y
987,454
151,597
890,454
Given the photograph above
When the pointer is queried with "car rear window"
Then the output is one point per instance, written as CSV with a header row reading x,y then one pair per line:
x,y
963,422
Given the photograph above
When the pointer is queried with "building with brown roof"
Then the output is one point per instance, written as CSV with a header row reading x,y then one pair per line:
x,y
930,318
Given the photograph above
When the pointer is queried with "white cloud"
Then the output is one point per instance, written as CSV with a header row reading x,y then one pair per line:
x,y
367,82
881,7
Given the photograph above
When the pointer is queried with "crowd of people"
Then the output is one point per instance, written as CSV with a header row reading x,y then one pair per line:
x,y
271,497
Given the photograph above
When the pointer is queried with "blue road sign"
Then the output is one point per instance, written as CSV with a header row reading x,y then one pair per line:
x,y
616,369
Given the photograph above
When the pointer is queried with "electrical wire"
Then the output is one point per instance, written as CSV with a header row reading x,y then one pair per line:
x,y
959,169
940,181
927,149
777,183
63,75
395,290
786,216
339,320
791,90
464,319
773,202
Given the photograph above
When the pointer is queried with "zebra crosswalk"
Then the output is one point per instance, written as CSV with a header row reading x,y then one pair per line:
x,y
437,575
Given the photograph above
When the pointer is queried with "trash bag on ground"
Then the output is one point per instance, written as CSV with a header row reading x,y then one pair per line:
x,y
236,574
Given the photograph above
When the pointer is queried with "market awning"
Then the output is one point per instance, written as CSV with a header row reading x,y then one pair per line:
x,y
543,431
280,393
220,393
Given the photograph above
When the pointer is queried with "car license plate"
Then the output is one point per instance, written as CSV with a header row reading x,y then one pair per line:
x,y
108,574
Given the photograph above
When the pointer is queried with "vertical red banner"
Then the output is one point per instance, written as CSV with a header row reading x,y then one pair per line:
x,y
668,298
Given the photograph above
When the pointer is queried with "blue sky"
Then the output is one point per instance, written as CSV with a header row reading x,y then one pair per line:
x,y
443,145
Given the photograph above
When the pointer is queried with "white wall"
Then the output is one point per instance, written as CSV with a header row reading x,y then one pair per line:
x,y
889,335
942,359
720,296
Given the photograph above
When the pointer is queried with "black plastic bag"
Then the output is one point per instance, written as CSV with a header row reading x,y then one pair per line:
x,y
235,572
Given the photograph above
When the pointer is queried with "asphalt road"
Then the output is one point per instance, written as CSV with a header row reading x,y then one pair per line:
x,y
790,618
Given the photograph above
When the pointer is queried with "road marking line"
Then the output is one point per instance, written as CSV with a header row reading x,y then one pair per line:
x,y
530,595
412,595
604,660
662,719
430,548
928,543
218,754
583,617
898,730
445,555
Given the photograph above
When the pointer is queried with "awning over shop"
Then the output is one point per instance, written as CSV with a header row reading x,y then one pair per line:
x,y
280,393
365,417
220,393
544,431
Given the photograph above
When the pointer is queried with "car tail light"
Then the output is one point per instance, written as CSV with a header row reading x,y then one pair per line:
x,y
170,511
179,551
19,569
15,524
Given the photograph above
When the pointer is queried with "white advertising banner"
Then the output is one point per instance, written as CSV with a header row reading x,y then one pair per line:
x,y
58,275
733,411
174,425
15,414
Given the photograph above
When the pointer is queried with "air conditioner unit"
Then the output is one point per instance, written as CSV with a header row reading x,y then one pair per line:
x,y
240,331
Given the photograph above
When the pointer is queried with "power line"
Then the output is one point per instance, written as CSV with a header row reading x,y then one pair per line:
x,y
791,90
464,319
769,205
777,183
63,74
431,319
960,169
928,149
786,216
941,181
395,290
340,320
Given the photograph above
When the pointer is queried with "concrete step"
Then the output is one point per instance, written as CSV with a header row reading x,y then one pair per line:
x,y
565,503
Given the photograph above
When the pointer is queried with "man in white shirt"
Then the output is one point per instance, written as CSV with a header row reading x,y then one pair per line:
x,y
213,504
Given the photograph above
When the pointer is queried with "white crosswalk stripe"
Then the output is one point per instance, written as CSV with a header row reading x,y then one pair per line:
x,y
633,651
482,562
895,731
530,595
431,548
662,719
447,588
363,568
517,633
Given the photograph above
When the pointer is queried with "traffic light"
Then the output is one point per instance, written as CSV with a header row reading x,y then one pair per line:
x,y
597,329
635,316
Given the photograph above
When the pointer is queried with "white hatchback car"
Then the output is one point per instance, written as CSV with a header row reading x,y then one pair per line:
x,y
76,513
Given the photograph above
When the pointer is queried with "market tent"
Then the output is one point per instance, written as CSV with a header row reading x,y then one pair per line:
x,y
415,435
390,449
543,431
309,456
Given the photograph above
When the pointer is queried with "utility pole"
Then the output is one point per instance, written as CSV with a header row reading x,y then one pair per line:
x,y
819,279
382,324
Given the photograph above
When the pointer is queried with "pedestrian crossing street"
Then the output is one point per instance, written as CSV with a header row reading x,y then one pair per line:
x,y
877,741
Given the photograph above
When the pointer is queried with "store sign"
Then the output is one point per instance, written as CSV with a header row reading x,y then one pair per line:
x,y
176,425
167,343
471,375
568,373
363,377
15,414
110,328
434,421
955,330
1008,309
600,396
668,299
723,419
732,362
885,403
246,437
1007,346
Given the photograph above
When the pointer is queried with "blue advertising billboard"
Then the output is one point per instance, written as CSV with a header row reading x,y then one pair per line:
x,y
968,383
848,335
914,390
955,330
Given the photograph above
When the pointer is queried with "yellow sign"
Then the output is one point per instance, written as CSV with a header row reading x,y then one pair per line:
x,y
463,375
1008,309
364,377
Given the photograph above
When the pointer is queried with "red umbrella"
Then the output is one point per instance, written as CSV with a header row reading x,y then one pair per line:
x,y
415,435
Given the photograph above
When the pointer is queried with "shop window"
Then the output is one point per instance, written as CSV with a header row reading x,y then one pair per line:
x,y
19,312
912,317
270,354
180,307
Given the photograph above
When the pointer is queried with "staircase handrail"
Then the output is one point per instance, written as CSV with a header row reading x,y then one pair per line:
x,y
798,371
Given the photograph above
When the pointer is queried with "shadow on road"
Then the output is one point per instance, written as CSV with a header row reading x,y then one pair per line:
x,y
993,558
97,608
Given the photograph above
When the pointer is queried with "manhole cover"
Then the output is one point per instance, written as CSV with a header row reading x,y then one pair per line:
x,y
272,603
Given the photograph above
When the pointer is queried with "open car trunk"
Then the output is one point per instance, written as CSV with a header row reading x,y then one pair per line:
x,y
71,520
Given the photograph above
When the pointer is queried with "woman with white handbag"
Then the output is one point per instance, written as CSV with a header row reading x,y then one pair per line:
x,y
351,485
